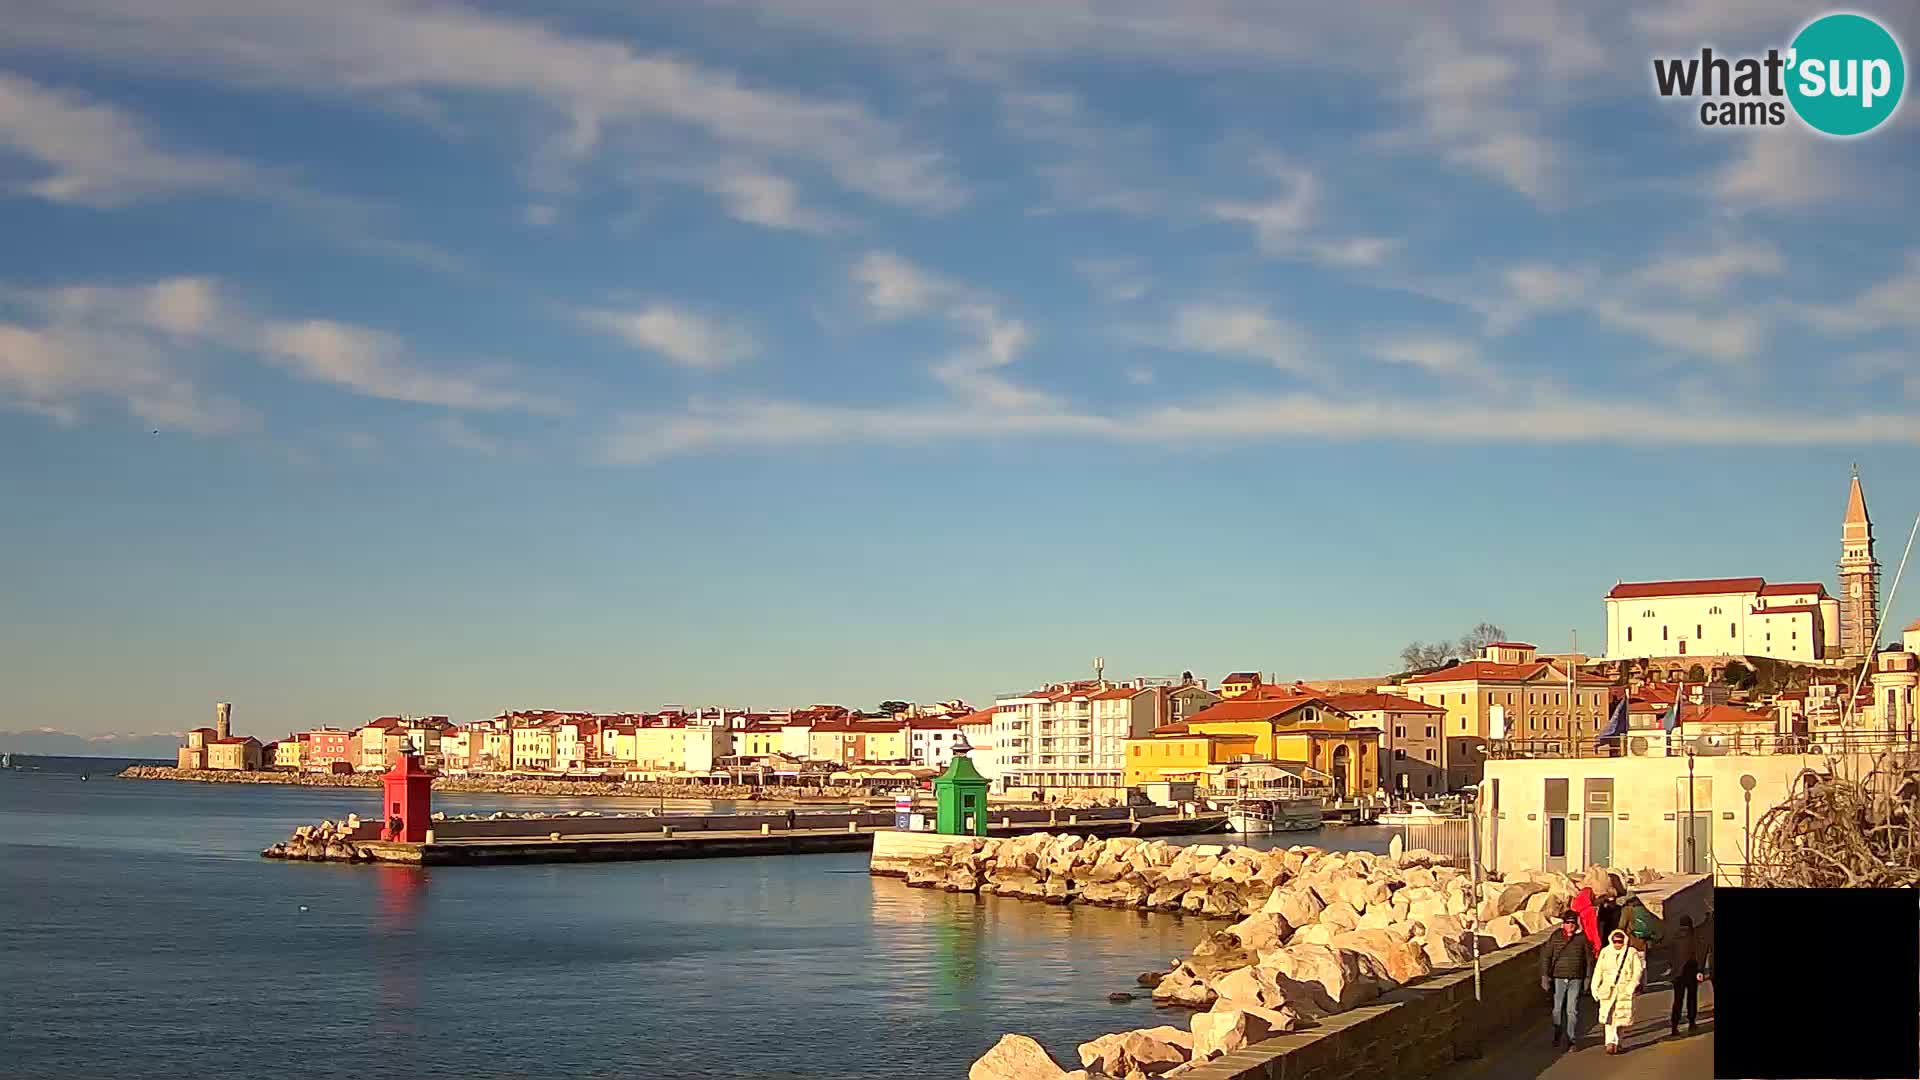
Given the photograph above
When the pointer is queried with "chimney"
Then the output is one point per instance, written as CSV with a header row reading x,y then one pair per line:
x,y
223,720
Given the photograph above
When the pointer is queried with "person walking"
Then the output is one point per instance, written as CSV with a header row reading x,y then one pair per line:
x,y
1564,966
1616,975
1692,964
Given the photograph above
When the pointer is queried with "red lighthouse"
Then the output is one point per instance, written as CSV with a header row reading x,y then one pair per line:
x,y
408,798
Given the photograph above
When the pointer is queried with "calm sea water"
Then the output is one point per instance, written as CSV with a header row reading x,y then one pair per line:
x,y
144,937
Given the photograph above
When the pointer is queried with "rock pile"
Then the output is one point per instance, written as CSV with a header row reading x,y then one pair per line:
x,y
1318,932
329,841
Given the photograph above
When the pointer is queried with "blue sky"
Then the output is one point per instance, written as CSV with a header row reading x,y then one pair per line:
x,y
377,356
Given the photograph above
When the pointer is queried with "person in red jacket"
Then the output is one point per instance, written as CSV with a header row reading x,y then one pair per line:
x,y
1589,912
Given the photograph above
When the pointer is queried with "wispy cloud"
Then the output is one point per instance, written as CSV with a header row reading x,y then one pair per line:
x,y
893,287
711,427
1115,280
761,198
1246,331
686,337
1286,225
1443,357
397,54
99,155
150,346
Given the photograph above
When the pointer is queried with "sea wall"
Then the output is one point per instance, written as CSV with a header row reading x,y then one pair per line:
x,y
500,785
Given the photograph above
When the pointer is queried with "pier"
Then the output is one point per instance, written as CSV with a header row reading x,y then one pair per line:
x,y
519,841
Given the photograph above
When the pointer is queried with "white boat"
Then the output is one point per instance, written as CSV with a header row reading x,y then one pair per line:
x,y
1417,813
1274,815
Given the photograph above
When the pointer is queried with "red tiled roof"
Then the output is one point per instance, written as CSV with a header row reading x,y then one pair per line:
x,y
1794,588
1912,626
1175,727
1388,702
1250,708
1793,695
1788,609
1116,693
208,730
232,740
1631,590
933,724
1489,671
977,716
1275,691
1242,676
1511,645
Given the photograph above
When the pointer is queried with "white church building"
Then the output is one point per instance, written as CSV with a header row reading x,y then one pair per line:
x,y
1749,616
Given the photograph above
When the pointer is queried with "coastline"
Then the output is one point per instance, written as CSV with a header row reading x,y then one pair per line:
x,y
497,785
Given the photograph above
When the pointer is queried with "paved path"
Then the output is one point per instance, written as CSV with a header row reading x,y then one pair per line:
x,y
1650,1052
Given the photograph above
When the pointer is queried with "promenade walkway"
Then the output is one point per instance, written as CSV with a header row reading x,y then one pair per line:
x,y
1651,1054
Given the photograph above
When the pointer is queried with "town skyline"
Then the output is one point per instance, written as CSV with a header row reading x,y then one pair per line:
x,y
773,354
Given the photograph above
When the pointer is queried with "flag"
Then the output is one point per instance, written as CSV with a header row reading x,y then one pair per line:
x,y
1673,714
1616,723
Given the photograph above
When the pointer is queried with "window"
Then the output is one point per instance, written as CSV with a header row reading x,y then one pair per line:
x,y
1663,633
1399,732
1430,733
1730,632
1629,633
1715,610
1429,755
1399,755
1697,632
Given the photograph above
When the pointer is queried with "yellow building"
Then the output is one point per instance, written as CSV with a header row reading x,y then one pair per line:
x,y
1303,731
235,753
1171,752
1508,694
533,747
760,740
885,740
690,749
290,753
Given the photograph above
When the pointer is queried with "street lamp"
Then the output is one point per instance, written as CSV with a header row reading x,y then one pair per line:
x,y
1692,864
1747,784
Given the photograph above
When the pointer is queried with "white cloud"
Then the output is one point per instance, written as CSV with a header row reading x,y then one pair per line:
x,y
399,54
98,155
1437,356
1084,186
1892,302
1467,100
687,338
1115,280
1734,336
1784,169
761,198
1710,273
147,347
1140,376
539,215
1245,331
1284,226
893,286
1544,420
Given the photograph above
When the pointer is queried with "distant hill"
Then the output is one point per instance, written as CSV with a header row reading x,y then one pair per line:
x,y
65,744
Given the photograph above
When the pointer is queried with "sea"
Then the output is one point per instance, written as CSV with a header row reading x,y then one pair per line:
x,y
144,936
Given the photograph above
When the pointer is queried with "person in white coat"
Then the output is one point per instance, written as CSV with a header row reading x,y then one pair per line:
x,y
1616,975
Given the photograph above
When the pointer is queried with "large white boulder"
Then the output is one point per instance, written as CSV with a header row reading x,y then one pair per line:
x,y
1222,1031
1016,1057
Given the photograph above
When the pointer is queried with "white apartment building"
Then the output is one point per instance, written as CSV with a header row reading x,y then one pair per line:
x,y
931,740
1722,617
1066,735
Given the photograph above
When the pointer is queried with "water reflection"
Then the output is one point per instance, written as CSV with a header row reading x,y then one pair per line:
x,y
398,953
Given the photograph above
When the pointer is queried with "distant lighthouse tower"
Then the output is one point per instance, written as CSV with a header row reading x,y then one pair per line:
x,y
1859,577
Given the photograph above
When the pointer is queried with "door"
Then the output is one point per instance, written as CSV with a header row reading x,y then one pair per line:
x,y
1553,856
1599,841
1698,857
1598,807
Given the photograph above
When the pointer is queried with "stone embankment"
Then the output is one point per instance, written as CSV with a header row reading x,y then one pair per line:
x,y
502,785
1317,933
328,841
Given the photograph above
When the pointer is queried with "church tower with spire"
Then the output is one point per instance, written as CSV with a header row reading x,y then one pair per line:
x,y
1859,577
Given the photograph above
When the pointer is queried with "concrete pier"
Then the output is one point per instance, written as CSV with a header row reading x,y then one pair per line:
x,y
521,841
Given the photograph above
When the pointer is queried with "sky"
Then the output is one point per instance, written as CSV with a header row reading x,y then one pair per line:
x,y
379,356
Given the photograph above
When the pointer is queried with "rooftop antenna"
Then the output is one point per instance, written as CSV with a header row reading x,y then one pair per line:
x,y
1099,666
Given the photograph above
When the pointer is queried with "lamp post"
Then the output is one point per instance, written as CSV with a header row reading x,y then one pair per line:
x,y
1692,865
1747,784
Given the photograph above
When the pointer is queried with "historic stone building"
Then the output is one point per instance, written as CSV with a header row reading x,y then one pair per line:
x,y
1859,577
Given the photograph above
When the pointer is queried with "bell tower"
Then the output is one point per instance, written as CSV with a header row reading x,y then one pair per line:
x,y
1859,577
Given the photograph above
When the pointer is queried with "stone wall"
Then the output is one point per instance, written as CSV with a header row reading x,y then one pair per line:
x,y
1414,1031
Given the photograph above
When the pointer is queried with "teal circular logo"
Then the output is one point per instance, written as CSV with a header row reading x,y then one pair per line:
x,y
1846,74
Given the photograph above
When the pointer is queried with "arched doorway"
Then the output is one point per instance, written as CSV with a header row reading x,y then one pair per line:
x,y
1342,763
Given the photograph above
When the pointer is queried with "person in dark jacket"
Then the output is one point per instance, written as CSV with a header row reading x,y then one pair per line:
x,y
1692,959
1563,970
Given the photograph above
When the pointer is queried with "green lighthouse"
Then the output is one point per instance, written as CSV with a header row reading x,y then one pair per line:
x,y
960,796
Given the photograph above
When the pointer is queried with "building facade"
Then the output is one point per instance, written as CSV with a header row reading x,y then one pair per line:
x,y
235,753
1518,698
1061,737
1410,739
1794,621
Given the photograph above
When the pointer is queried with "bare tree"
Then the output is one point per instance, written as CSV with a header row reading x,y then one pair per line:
x,y
1474,641
1422,655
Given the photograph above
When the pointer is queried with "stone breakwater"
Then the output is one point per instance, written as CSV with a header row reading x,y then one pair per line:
x,y
328,841
1317,933
500,785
